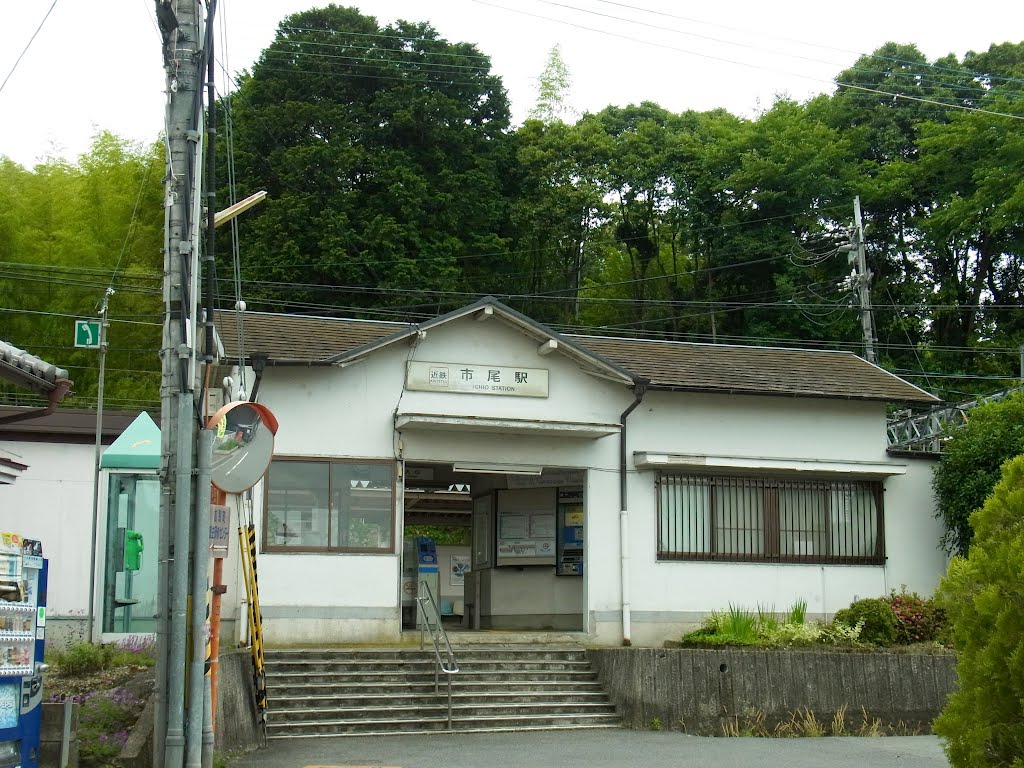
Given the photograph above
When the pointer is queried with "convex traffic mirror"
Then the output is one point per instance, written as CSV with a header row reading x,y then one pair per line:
x,y
243,445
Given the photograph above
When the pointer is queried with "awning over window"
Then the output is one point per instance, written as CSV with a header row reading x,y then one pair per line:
x,y
697,462
9,470
577,429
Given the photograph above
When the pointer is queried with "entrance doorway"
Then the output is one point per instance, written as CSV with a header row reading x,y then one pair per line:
x,y
508,549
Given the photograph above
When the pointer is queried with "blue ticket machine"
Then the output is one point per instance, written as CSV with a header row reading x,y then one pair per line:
x,y
23,574
427,572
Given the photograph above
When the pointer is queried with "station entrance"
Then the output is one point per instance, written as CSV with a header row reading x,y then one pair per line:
x,y
501,549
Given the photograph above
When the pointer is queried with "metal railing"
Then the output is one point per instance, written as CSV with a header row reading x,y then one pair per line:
x,y
926,432
444,654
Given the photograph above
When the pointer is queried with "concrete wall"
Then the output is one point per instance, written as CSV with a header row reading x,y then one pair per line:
x,y
700,691
236,727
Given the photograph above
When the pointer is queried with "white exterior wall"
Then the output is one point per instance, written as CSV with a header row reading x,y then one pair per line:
x,y
348,412
671,597
52,502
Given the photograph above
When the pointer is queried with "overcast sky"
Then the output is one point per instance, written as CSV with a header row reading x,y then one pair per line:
x,y
98,66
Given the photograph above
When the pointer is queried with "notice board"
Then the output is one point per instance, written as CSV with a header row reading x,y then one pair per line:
x,y
526,526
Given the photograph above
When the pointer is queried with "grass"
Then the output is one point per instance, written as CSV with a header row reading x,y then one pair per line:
x,y
804,723
765,628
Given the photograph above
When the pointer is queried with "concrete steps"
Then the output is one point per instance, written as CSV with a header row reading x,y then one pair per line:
x,y
332,692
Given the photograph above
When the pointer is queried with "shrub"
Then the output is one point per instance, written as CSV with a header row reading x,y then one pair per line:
x,y
983,721
970,466
839,633
917,620
877,617
83,659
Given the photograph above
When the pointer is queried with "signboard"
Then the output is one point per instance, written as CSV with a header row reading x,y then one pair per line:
x,y
526,527
469,378
220,529
87,334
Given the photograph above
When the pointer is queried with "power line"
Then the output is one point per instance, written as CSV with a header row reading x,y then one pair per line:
x,y
748,65
976,90
895,60
27,46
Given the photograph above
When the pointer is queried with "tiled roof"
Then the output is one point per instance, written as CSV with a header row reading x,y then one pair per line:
x,y
298,338
753,370
666,364
28,371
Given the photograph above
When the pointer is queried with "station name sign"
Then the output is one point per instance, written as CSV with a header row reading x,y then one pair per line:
x,y
472,379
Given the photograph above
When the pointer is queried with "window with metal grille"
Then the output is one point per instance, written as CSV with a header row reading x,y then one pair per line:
x,y
761,519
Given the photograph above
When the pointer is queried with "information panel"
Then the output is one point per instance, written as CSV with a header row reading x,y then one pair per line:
x,y
526,526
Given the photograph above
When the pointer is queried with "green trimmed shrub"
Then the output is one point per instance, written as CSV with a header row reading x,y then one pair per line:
x,y
983,595
879,623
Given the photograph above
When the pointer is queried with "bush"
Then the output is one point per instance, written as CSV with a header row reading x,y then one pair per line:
x,y
971,463
83,659
917,620
879,622
983,721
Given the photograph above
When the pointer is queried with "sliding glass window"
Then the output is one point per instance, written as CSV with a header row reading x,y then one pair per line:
x,y
329,506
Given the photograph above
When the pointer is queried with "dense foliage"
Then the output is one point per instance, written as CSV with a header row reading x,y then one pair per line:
x,y
67,233
983,722
399,189
918,619
971,464
877,617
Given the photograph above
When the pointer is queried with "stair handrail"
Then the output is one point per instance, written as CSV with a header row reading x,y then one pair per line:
x,y
439,639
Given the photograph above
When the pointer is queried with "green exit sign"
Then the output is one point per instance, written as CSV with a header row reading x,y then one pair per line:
x,y
87,334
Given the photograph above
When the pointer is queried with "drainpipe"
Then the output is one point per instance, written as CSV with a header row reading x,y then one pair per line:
x,y
639,388
258,361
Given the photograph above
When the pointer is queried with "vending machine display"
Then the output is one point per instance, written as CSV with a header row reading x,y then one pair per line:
x,y
23,574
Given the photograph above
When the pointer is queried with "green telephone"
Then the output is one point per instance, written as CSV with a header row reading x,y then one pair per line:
x,y
133,546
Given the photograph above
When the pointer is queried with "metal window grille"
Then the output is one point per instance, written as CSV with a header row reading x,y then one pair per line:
x,y
760,519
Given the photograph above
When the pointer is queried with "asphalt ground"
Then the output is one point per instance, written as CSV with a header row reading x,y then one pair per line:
x,y
598,749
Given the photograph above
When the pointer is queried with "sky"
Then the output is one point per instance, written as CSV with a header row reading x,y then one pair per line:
x,y
87,70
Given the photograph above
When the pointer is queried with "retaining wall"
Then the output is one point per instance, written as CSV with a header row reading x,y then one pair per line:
x,y
706,691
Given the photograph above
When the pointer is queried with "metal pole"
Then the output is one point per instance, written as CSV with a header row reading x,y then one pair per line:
x,y
200,585
183,46
864,286
104,325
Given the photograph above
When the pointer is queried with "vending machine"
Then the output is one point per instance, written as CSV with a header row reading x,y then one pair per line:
x,y
22,626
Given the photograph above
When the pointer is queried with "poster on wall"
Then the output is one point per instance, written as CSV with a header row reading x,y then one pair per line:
x,y
526,527
457,575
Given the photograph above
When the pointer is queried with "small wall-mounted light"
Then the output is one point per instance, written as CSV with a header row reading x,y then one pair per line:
x,y
547,347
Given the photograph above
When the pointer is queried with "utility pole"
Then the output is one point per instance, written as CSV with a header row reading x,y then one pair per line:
x,y
858,255
184,53
104,330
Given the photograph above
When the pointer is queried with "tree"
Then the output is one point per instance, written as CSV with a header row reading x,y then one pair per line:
x,y
970,466
983,595
384,151
67,232
553,91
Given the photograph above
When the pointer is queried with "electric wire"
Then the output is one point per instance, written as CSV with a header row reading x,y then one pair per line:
x,y
752,66
27,46
896,60
975,90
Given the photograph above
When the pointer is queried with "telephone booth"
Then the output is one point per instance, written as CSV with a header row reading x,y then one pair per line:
x,y
131,531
